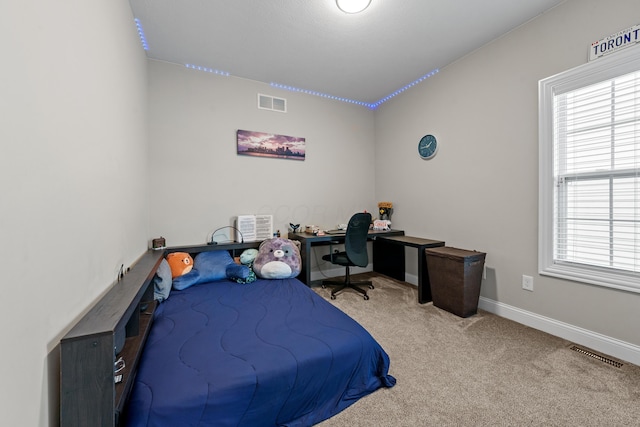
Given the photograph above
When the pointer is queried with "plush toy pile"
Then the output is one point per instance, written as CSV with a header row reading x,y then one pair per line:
x,y
276,258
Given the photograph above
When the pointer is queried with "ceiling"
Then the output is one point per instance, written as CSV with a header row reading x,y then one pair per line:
x,y
311,45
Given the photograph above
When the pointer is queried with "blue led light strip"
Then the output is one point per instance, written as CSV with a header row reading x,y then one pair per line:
x,y
208,70
143,39
320,94
371,106
402,89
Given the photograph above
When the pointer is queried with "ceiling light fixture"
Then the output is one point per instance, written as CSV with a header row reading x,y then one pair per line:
x,y
353,6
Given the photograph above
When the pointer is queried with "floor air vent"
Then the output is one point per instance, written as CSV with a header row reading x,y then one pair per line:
x,y
266,102
597,356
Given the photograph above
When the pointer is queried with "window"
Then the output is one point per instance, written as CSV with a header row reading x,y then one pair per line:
x,y
589,130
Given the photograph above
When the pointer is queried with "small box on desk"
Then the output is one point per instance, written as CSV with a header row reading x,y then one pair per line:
x,y
455,276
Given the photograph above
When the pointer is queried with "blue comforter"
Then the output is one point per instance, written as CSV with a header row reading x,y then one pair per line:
x,y
269,353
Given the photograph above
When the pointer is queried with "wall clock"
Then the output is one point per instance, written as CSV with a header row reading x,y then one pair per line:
x,y
428,146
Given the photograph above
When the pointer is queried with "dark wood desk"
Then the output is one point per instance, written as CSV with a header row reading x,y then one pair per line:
x,y
390,262
307,240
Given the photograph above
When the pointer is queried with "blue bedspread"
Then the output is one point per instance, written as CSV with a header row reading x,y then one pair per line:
x,y
269,353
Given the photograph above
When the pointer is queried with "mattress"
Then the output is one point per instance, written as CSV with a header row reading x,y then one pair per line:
x,y
268,353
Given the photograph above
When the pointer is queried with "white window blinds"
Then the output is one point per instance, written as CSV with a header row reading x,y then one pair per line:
x,y
597,174
590,173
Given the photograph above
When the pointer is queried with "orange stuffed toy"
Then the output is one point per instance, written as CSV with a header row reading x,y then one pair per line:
x,y
180,263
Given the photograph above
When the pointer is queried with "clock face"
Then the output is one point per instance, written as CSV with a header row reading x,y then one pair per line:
x,y
428,146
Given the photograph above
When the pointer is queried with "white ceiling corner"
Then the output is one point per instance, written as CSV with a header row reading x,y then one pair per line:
x,y
312,45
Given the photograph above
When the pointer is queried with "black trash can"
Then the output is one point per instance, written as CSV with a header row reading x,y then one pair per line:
x,y
455,276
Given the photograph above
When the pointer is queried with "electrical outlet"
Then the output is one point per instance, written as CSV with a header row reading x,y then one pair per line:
x,y
484,272
527,283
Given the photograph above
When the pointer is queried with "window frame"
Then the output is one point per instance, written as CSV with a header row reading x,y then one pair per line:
x,y
601,69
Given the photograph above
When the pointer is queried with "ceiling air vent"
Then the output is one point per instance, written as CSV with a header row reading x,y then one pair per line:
x,y
266,102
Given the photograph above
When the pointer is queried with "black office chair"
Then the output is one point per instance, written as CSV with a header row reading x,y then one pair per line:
x,y
354,254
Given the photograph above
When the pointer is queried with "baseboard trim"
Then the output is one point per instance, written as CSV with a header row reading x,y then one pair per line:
x,y
411,278
593,340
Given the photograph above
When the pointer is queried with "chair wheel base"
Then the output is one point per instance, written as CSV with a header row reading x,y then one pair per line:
x,y
341,286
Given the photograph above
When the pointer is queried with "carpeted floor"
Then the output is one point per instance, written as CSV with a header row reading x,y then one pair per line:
x,y
480,371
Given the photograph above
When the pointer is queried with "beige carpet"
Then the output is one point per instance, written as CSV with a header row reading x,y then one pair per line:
x,y
480,371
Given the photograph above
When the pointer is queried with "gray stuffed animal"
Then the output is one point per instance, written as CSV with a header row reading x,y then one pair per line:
x,y
278,258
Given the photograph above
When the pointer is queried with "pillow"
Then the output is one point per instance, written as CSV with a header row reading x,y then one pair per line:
x,y
162,281
180,263
211,266
218,265
186,280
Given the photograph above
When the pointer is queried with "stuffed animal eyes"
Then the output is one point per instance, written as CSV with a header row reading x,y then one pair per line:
x,y
285,251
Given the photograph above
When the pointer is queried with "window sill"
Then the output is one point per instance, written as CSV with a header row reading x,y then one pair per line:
x,y
594,276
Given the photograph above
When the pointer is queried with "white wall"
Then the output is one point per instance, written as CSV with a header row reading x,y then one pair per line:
x,y
481,190
200,183
72,181
74,168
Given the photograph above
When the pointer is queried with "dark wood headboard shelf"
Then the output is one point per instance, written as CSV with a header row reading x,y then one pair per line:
x,y
131,354
89,395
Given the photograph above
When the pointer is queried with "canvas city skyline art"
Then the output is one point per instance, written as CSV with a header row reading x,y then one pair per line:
x,y
261,144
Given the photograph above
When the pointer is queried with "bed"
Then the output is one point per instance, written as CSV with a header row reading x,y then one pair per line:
x,y
266,353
